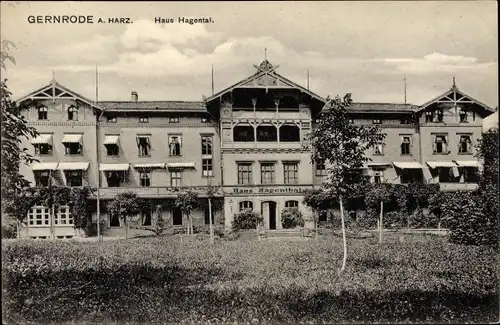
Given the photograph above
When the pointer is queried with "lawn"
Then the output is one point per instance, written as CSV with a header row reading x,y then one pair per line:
x,y
160,280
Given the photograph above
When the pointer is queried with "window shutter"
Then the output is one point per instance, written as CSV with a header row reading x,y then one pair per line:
x,y
434,143
446,144
138,141
179,138
458,142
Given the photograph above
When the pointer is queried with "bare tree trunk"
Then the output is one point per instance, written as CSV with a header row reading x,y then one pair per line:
x,y
343,234
316,219
126,227
210,221
381,224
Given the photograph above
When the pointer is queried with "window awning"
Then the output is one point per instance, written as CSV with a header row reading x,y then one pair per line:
x,y
73,166
467,163
436,164
72,138
181,165
378,164
111,139
153,165
113,167
44,166
42,139
407,164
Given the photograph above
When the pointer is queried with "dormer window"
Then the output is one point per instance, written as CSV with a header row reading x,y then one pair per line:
x,y
377,121
428,116
438,115
42,113
173,119
72,113
143,119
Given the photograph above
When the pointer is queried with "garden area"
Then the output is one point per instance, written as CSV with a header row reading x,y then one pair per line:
x,y
163,280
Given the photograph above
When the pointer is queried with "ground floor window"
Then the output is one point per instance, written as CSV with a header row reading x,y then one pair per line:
x,y
42,178
246,205
74,177
146,217
63,217
411,176
291,204
39,216
114,220
471,174
176,216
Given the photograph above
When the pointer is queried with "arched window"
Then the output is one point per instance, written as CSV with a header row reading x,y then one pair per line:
x,y
243,133
72,113
42,113
245,205
292,204
289,133
267,133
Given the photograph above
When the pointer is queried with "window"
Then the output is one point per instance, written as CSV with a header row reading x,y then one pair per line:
x,y
465,144
111,119
112,150
246,205
291,204
244,173
438,115
115,178
428,116
39,216
291,173
463,116
144,145
206,165
267,133
267,173
63,217
206,145
440,144
72,113
42,113
174,145
74,177
114,220
243,133
207,212
42,178
73,148
145,177
143,119
378,149
175,178
405,145
411,176
471,174
378,175
43,149
445,175
377,121
146,217
173,119
320,168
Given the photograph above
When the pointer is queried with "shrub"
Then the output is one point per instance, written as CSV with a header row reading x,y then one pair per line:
x,y
9,227
246,219
292,218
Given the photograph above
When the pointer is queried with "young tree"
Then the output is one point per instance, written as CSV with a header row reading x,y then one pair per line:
x,y
342,145
187,202
14,128
126,205
211,191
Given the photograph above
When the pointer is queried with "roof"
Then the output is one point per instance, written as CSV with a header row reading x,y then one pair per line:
x,y
380,108
177,106
266,69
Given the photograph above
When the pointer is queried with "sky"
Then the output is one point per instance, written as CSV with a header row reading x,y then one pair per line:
x,y
364,48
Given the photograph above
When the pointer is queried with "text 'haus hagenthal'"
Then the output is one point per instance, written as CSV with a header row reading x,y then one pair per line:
x,y
247,140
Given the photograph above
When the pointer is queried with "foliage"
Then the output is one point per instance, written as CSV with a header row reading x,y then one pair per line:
x,y
488,152
159,227
319,200
126,205
9,227
247,219
14,128
242,282
292,218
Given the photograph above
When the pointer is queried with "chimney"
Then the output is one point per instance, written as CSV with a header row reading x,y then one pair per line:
x,y
135,96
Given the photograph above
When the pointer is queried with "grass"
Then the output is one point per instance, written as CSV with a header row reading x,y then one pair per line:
x,y
157,280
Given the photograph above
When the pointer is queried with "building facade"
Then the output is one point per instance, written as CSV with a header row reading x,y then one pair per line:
x,y
248,140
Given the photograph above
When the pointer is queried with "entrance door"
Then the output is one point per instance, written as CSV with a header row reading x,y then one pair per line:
x,y
269,213
177,216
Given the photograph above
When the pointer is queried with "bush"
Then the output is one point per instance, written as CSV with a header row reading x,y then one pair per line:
x,y
292,218
9,227
247,219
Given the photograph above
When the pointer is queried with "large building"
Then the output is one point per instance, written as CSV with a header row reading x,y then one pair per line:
x,y
247,140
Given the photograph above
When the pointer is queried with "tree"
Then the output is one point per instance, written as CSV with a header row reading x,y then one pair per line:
x,y
319,200
291,218
187,202
14,128
126,205
210,192
342,145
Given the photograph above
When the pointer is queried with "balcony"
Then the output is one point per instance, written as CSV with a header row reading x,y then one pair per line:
x,y
153,192
458,186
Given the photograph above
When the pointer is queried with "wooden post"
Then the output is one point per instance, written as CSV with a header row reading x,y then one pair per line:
x,y
343,235
380,222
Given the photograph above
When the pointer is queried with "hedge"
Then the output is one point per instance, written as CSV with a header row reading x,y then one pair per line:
x,y
158,280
